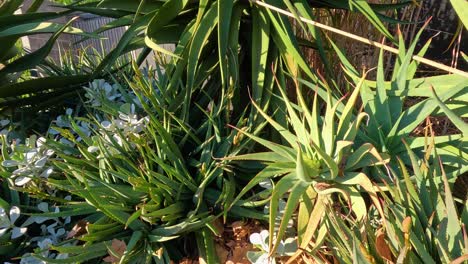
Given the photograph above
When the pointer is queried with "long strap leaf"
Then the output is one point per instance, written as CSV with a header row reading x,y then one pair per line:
x,y
362,39
31,60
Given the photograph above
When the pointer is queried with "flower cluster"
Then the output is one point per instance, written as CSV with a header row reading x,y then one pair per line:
x,y
31,162
127,123
121,129
63,122
52,233
99,91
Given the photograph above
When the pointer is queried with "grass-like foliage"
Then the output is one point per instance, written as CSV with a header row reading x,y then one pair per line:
x,y
152,165
425,224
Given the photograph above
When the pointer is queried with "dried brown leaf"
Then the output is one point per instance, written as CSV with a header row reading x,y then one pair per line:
x,y
382,247
79,229
116,251
406,225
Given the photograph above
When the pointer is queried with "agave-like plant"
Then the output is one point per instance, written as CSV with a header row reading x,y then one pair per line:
x,y
320,157
391,120
425,221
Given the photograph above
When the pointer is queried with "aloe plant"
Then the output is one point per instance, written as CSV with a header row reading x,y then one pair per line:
x,y
320,158
391,120
426,223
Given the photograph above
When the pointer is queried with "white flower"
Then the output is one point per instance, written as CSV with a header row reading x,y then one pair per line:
x,y
107,125
121,130
4,132
55,233
4,122
92,149
45,243
127,123
7,222
62,121
131,123
44,208
62,256
100,90
32,165
118,139
84,128
28,259
260,240
285,248
51,234
66,142
266,184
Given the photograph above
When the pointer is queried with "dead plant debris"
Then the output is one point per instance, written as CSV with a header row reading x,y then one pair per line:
x,y
232,246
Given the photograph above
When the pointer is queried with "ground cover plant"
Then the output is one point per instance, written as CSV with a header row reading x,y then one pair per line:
x,y
232,148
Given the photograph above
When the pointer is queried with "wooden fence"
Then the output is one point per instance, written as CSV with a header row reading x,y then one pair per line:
x,y
90,23
86,22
